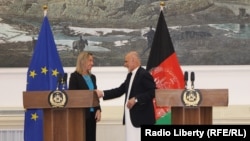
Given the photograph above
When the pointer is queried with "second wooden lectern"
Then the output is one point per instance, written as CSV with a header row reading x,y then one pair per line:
x,y
200,115
62,124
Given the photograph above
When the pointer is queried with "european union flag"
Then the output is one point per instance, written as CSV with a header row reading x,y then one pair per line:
x,y
44,70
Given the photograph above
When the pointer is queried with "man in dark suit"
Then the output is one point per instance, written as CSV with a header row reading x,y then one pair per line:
x,y
139,90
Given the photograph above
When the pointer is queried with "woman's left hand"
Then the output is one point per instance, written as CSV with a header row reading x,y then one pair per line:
x,y
98,115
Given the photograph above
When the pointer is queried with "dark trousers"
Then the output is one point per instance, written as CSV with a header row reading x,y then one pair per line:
x,y
91,127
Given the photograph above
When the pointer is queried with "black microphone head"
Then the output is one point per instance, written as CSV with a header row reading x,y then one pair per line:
x,y
59,78
65,76
186,76
192,76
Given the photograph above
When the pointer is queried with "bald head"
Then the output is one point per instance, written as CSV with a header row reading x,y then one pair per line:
x,y
135,57
132,60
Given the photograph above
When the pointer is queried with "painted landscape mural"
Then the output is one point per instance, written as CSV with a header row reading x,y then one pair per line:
x,y
203,32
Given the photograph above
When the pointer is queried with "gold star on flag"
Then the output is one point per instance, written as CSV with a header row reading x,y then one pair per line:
x,y
32,74
55,72
44,70
34,116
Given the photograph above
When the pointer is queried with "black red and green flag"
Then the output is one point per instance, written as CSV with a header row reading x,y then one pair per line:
x,y
164,66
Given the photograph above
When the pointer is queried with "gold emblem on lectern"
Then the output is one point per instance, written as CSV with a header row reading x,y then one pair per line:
x,y
191,97
58,99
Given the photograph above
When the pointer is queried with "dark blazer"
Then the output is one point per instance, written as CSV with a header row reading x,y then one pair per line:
x,y
143,88
76,82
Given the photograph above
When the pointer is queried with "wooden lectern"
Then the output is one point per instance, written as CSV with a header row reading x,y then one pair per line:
x,y
62,124
199,115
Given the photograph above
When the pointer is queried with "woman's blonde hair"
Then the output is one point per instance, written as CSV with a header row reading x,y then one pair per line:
x,y
82,60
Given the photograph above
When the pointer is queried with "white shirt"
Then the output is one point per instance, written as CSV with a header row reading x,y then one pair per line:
x,y
132,133
131,81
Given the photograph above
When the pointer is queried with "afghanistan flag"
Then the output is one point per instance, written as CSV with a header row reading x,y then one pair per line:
x,y
164,66
43,72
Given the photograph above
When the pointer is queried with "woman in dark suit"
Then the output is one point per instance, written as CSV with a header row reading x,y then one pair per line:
x,y
139,89
83,79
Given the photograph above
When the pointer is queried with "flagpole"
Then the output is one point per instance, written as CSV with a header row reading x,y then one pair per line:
x,y
45,9
162,5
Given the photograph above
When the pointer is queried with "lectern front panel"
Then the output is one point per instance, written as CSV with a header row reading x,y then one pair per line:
x,y
63,123
198,114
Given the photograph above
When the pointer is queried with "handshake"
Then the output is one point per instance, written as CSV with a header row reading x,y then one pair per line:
x,y
99,93
130,103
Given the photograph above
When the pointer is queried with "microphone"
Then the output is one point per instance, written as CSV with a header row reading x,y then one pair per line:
x,y
59,79
185,78
192,76
65,76
64,80
192,79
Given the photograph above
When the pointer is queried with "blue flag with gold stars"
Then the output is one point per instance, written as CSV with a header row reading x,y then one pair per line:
x,y
43,72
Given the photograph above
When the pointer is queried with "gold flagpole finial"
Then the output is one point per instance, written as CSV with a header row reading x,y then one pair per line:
x,y
45,9
162,4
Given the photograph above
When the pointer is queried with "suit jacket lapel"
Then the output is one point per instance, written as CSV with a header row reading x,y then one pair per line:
x,y
134,80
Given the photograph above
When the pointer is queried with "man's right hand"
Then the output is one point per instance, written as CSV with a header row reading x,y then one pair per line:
x,y
99,93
